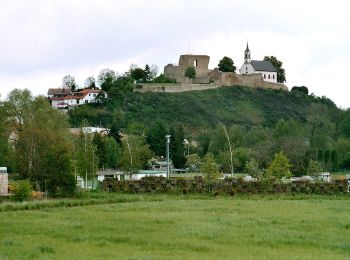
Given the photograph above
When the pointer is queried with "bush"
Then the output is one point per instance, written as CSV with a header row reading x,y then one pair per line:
x,y
22,191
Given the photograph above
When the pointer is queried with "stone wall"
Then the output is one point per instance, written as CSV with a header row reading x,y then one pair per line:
x,y
3,183
219,78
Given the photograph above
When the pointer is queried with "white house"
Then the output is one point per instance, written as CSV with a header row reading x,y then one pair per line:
x,y
63,98
265,68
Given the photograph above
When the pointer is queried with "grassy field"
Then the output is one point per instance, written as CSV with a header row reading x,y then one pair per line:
x,y
181,227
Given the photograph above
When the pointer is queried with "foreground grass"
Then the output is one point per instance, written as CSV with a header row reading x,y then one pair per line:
x,y
177,226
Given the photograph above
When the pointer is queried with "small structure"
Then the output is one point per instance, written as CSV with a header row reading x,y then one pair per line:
x,y
159,164
3,181
64,98
265,68
89,130
145,173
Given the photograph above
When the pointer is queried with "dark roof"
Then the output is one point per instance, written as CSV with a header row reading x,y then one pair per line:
x,y
56,91
261,65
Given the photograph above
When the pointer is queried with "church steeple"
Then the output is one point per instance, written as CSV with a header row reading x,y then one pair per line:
x,y
247,55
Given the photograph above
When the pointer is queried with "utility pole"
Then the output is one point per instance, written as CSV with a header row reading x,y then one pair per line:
x,y
167,156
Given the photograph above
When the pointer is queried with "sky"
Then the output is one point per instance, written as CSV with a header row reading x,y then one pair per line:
x,y
44,40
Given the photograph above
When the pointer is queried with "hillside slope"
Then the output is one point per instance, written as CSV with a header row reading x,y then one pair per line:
x,y
199,109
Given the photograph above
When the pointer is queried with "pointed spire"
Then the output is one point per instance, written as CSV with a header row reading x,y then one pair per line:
x,y
247,49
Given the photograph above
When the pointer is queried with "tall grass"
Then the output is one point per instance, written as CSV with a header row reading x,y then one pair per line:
x,y
182,227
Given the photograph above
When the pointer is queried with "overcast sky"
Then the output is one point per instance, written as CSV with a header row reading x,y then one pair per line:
x,y
42,41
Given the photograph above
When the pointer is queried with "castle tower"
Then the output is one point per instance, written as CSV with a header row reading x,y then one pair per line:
x,y
247,55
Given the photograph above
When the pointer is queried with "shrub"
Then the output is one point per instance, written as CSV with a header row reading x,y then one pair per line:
x,y
22,191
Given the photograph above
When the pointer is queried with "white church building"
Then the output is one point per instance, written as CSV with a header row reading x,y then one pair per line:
x,y
265,68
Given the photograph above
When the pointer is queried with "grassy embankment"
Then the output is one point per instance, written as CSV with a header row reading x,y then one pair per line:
x,y
178,226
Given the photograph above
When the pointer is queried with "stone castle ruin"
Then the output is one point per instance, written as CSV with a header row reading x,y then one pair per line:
x,y
199,62
262,76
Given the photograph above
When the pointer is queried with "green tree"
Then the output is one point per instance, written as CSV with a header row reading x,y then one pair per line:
x,y
148,74
252,168
86,158
43,150
280,167
106,77
68,81
226,65
300,89
314,168
281,74
113,152
156,138
177,152
135,154
163,79
138,74
16,109
209,168
100,145
190,73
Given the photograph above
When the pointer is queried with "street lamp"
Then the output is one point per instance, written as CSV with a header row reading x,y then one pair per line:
x,y
167,155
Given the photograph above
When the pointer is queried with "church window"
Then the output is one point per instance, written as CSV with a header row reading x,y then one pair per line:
x,y
273,76
195,63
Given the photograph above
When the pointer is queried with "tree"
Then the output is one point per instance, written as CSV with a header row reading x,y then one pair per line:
x,y
300,89
90,83
190,73
43,150
280,167
281,75
314,168
321,129
156,138
17,109
177,152
113,152
252,168
163,79
135,153
106,77
226,65
68,81
101,152
138,74
148,76
86,157
209,168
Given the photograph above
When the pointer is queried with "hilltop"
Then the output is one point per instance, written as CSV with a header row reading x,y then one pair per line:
x,y
202,109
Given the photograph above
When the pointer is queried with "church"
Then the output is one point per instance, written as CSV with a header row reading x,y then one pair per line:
x,y
265,68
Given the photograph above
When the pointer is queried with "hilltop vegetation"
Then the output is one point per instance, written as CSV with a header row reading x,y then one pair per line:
x,y
201,109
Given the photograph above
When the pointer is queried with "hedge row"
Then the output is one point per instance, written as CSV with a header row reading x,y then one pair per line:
x,y
230,186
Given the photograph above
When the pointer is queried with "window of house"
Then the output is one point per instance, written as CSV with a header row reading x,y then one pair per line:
x,y
195,63
86,101
268,76
273,76
94,95
264,76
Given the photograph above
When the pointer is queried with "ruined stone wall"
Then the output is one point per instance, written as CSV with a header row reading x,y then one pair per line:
x,y
199,62
174,88
250,80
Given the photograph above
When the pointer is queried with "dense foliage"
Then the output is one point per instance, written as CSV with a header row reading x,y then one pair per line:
x,y
226,65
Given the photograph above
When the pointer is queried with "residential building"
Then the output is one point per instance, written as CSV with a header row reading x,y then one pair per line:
x,y
63,98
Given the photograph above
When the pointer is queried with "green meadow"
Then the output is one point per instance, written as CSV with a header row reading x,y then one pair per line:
x,y
122,226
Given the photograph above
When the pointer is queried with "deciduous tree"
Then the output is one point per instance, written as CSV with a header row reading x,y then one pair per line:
x,y
226,65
